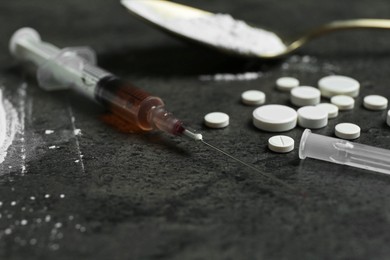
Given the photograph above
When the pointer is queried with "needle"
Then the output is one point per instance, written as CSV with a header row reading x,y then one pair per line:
x,y
273,178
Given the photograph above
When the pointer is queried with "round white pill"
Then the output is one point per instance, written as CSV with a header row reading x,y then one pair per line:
x,y
253,97
375,102
216,120
338,85
312,117
388,118
281,144
275,118
347,131
343,102
305,96
332,110
286,83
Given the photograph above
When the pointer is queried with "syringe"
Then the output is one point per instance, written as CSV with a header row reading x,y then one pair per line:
x,y
74,68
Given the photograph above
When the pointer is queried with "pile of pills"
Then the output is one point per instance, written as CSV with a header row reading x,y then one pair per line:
x,y
340,90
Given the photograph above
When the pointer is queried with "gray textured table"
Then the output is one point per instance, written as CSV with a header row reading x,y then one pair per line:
x,y
107,194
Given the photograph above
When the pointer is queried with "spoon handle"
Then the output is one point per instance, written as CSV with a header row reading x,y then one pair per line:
x,y
338,26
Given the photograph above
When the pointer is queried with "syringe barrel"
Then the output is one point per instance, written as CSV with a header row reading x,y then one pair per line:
x,y
136,106
344,152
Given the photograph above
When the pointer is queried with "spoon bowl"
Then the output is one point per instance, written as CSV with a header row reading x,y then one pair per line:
x,y
224,33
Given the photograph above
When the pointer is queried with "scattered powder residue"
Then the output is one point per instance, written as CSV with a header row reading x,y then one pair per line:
x,y
22,222
49,132
58,225
303,64
293,64
231,77
9,125
22,91
47,218
8,231
220,30
80,227
77,131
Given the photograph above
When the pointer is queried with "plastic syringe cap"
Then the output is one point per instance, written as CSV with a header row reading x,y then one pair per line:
x,y
22,34
302,148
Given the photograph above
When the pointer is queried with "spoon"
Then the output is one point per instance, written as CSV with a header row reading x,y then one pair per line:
x,y
227,34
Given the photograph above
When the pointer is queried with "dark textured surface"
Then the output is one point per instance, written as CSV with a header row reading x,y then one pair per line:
x,y
149,196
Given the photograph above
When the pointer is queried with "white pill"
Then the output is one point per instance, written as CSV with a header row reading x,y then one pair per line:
x,y
375,102
347,131
216,120
312,117
281,144
253,97
388,118
305,96
338,85
332,110
286,83
343,102
275,118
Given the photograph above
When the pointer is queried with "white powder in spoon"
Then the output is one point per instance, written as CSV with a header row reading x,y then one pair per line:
x,y
9,124
225,32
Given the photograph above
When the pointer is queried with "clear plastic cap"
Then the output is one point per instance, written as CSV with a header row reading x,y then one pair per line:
x,y
344,152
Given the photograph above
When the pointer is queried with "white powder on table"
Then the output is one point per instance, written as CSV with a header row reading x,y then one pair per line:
x,y
9,124
246,76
